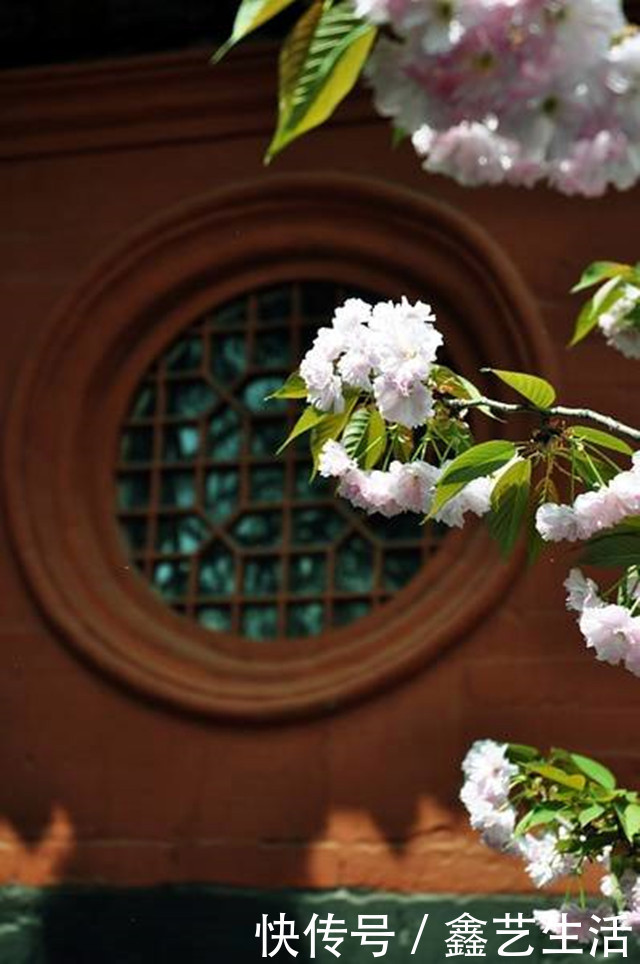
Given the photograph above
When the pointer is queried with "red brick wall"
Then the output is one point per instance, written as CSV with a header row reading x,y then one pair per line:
x,y
100,784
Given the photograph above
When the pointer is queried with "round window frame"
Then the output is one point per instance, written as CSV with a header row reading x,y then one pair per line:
x,y
72,397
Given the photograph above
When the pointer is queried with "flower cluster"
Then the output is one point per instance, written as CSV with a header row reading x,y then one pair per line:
x,y
611,629
594,511
387,349
620,324
403,487
485,793
513,91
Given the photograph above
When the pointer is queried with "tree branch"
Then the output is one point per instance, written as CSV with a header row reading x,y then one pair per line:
x,y
509,408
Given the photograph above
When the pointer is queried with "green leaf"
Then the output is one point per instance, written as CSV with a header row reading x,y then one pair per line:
x,y
604,298
630,820
478,461
613,549
536,390
294,387
592,470
355,433
600,271
330,428
376,439
585,322
584,433
521,752
594,770
320,62
556,775
309,419
538,817
509,501
251,14
590,814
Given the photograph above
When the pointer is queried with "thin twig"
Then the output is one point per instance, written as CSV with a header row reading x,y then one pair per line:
x,y
507,408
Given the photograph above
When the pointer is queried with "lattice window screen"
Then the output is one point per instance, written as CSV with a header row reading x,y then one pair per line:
x,y
227,534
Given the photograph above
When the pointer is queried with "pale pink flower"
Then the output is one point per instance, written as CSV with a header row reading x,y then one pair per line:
x,y
556,522
407,403
333,461
545,863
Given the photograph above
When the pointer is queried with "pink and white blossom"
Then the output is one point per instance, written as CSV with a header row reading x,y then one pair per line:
x,y
512,91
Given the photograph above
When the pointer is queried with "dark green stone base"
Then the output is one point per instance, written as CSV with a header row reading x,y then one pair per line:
x,y
198,924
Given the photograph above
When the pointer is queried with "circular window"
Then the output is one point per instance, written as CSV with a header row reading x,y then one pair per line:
x,y
151,379
227,534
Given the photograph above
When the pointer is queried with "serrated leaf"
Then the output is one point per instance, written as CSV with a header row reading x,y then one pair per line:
x,y
613,549
293,387
479,460
538,391
590,814
251,15
355,432
376,440
309,419
556,775
594,770
320,62
509,501
584,433
599,271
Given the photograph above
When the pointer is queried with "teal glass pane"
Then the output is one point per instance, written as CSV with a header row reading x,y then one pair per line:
x,y
224,439
135,533
316,526
272,349
145,402
237,532
228,357
133,490
262,576
217,572
136,445
189,399
258,529
259,622
308,488
221,493
181,533
348,610
255,393
185,356
178,489
400,527
399,567
354,566
269,436
266,483
232,315
307,574
171,578
275,304
180,443
215,618
305,619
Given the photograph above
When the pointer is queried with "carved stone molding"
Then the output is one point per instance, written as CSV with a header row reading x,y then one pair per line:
x,y
71,399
